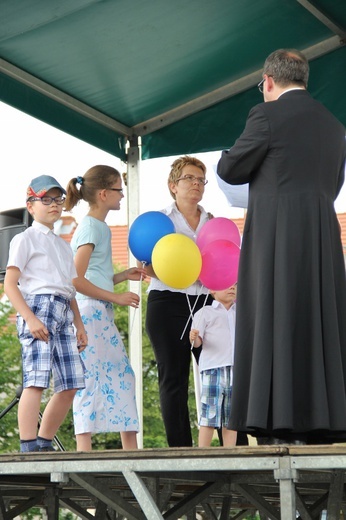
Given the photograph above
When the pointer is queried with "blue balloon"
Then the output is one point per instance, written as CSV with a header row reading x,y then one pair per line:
x,y
145,231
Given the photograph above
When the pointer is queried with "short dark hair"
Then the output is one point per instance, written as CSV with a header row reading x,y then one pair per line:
x,y
287,66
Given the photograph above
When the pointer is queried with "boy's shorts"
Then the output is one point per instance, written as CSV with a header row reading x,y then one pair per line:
x,y
60,355
216,397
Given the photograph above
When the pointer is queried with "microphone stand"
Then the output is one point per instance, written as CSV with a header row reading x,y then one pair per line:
x,y
13,402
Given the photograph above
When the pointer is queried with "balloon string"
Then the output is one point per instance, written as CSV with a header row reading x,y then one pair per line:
x,y
191,310
197,322
140,295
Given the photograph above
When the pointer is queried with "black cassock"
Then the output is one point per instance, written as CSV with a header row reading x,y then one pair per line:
x,y
290,348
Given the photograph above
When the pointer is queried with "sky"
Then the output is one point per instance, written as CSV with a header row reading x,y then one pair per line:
x,y
30,148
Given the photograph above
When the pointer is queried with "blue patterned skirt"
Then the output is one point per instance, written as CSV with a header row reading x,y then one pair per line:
x,y
108,402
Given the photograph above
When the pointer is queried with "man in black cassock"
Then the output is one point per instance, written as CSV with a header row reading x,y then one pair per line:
x,y
290,349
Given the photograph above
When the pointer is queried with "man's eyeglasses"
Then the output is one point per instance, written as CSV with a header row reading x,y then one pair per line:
x,y
47,201
120,190
191,178
260,85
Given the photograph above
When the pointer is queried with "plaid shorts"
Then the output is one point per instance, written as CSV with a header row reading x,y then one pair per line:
x,y
59,356
216,397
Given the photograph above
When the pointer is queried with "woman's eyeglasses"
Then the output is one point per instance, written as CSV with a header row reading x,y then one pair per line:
x,y
47,201
191,178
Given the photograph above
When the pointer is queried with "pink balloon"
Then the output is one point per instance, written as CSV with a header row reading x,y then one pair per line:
x,y
220,261
218,228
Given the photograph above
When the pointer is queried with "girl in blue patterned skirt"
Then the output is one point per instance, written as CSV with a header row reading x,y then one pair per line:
x,y
108,403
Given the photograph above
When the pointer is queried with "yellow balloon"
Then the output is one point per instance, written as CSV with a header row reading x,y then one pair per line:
x,y
177,260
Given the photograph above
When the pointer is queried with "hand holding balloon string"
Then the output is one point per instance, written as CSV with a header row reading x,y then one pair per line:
x,y
191,316
191,309
142,275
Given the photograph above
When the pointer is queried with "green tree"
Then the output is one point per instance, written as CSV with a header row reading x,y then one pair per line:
x,y
10,380
36,513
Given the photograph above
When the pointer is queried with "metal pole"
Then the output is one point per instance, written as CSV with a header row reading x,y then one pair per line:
x,y
135,315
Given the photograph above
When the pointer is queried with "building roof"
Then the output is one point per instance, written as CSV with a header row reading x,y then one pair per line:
x,y
120,253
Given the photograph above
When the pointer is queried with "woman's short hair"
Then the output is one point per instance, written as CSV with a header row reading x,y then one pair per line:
x,y
178,165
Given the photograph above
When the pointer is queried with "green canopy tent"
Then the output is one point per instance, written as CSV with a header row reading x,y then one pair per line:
x,y
180,75
153,78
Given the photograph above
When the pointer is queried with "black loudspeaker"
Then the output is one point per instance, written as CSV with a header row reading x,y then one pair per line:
x,y
12,222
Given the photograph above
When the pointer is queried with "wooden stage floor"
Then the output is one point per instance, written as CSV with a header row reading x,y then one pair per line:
x,y
280,482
